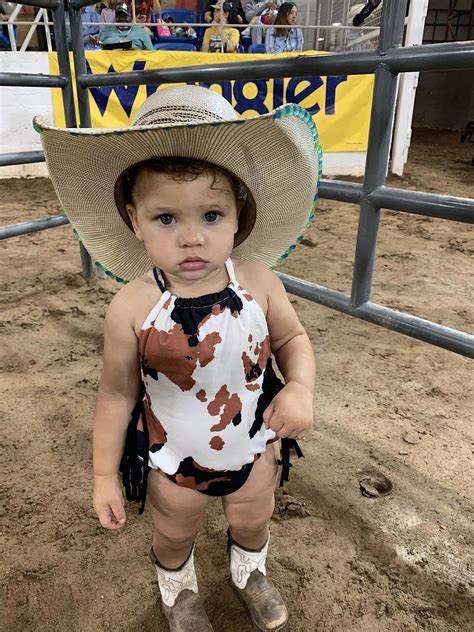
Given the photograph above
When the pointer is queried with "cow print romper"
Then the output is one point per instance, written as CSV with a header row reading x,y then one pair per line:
x,y
208,378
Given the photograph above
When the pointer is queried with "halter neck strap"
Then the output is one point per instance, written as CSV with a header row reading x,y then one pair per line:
x,y
159,279
230,270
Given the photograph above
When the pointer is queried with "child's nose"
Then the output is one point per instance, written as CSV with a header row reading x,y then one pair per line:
x,y
191,236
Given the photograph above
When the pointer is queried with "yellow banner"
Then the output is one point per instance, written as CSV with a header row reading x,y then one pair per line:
x,y
339,104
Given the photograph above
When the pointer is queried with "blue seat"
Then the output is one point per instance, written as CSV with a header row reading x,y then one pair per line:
x,y
179,15
246,42
200,29
240,49
175,39
175,46
256,48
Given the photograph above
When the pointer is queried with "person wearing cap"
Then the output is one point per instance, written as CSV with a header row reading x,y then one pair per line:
x,y
126,32
236,11
219,38
192,206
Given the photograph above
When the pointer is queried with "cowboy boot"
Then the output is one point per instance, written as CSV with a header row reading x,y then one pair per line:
x,y
182,604
250,582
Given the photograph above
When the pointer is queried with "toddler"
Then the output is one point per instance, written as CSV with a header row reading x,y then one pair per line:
x,y
192,205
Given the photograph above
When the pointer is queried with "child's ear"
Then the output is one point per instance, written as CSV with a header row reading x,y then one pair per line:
x,y
132,213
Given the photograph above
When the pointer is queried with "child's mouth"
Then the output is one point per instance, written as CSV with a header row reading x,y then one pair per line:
x,y
193,263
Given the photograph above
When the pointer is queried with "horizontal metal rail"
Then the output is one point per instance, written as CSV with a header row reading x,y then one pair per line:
x,y
419,328
449,56
21,158
432,205
14,230
404,200
439,335
341,191
25,80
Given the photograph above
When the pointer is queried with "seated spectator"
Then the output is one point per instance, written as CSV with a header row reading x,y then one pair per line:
x,y
236,12
257,13
90,32
126,33
179,31
108,13
219,38
283,38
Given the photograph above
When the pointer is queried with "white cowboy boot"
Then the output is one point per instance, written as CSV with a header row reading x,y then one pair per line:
x,y
249,580
182,604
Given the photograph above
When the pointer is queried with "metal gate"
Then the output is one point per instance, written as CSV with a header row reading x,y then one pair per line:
x,y
386,62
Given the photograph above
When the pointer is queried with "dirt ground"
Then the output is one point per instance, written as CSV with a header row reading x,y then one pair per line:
x,y
344,562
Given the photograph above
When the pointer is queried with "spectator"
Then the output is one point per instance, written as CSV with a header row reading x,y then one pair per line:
x,y
236,12
143,9
179,31
283,38
256,13
219,38
126,32
108,13
90,32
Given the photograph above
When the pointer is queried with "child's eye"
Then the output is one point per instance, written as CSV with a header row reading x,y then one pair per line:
x,y
212,216
165,219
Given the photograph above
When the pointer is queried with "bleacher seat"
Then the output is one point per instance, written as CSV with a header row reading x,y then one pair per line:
x,y
175,39
256,48
175,46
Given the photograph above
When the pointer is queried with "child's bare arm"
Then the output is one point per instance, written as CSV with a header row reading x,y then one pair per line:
x,y
118,390
291,412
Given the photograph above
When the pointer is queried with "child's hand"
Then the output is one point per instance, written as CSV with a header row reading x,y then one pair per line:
x,y
108,502
290,413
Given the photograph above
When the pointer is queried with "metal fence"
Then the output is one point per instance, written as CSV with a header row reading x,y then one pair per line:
x,y
386,62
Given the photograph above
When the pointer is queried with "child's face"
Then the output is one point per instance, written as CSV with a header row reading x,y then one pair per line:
x,y
180,221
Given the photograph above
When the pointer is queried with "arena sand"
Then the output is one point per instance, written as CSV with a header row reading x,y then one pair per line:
x,y
343,561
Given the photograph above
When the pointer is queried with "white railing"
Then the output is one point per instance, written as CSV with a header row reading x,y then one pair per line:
x,y
330,43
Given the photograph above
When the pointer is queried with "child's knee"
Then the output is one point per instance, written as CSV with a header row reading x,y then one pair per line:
x,y
253,519
178,536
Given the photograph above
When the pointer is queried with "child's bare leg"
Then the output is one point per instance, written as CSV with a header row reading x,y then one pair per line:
x,y
248,512
178,515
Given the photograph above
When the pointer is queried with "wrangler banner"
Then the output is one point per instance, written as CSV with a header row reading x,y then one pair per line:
x,y
339,104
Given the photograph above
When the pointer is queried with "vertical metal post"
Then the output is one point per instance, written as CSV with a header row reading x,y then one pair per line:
x,y
383,107
83,103
80,66
59,25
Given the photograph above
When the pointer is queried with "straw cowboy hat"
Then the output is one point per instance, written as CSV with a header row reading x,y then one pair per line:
x,y
277,156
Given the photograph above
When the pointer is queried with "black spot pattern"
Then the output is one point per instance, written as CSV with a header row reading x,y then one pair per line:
x,y
190,312
221,483
270,387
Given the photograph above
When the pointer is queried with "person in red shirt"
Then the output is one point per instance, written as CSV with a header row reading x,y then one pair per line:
x,y
143,9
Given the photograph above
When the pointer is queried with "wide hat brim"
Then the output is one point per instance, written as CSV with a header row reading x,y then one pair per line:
x,y
277,156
